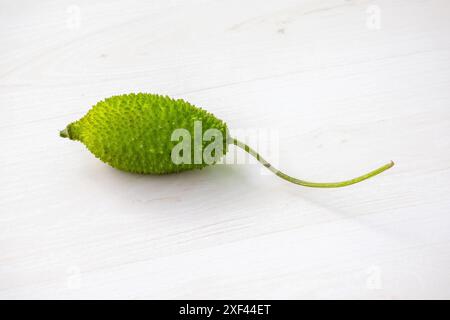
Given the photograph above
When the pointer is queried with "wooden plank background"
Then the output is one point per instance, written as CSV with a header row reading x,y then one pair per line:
x,y
346,85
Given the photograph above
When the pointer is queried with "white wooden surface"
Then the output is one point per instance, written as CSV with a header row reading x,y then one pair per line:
x,y
348,85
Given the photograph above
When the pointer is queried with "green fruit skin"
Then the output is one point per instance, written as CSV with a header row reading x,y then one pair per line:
x,y
132,132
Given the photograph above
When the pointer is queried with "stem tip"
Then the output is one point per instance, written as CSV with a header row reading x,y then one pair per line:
x,y
64,133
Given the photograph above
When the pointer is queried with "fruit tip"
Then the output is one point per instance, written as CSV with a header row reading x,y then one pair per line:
x,y
64,133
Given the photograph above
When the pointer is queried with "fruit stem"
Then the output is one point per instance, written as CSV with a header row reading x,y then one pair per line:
x,y
307,183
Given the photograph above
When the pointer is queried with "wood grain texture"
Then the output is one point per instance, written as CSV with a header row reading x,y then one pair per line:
x,y
347,86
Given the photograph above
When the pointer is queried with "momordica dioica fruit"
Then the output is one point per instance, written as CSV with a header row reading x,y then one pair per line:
x,y
141,133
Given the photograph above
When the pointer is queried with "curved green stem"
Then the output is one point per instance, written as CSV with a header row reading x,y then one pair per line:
x,y
307,183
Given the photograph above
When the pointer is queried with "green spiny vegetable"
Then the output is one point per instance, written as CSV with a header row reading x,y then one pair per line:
x,y
134,133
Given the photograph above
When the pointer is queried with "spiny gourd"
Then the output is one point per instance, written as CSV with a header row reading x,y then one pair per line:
x,y
134,133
